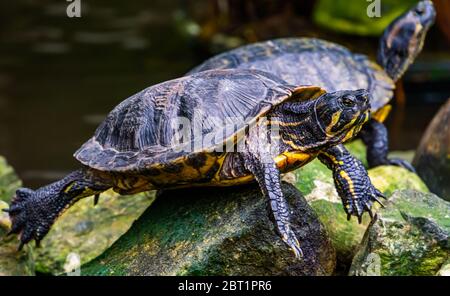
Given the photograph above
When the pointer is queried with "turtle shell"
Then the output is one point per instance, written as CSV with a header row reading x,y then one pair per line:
x,y
310,61
140,131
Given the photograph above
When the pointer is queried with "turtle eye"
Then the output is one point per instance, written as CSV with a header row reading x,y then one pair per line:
x,y
348,101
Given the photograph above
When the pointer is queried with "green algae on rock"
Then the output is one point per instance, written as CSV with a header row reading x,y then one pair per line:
x,y
12,262
316,183
388,179
411,236
211,231
9,182
86,231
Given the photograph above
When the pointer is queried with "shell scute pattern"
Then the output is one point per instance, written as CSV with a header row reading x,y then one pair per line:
x,y
310,61
138,133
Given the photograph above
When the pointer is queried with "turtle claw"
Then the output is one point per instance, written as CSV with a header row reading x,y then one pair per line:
x,y
297,252
12,209
290,239
295,247
357,206
96,198
377,198
359,219
402,163
369,210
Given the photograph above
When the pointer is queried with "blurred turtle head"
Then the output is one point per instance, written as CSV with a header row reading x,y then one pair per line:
x,y
403,39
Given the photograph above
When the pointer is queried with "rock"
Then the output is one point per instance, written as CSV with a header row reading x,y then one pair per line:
x,y
388,179
12,262
411,236
85,231
9,182
211,231
445,269
316,183
432,159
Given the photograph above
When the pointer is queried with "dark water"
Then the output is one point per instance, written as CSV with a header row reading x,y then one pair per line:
x,y
59,77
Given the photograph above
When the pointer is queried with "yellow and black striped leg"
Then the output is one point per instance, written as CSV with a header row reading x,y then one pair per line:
x,y
268,178
375,135
351,181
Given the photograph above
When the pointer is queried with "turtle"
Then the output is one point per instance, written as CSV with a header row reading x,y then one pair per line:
x,y
213,128
334,67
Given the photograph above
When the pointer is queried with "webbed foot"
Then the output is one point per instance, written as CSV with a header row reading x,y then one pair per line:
x,y
28,218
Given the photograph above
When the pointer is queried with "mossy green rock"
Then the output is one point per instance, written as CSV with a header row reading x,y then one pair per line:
x,y
9,182
316,183
211,231
411,236
86,230
12,262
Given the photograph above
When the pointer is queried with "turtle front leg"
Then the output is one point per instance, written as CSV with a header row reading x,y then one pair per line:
x,y
375,135
33,212
352,181
268,177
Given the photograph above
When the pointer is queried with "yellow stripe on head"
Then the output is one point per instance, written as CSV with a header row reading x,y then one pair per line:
x,y
334,120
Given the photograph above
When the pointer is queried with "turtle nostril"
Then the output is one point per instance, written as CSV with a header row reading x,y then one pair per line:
x,y
363,98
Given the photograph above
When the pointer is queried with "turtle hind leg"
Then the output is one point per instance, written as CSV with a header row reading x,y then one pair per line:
x,y
375,136
33,212
268,178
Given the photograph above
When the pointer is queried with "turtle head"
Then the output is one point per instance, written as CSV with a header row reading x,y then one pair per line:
x,y
403,39
340,115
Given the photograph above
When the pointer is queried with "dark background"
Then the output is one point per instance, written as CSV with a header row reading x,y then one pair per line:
x,y
60,76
